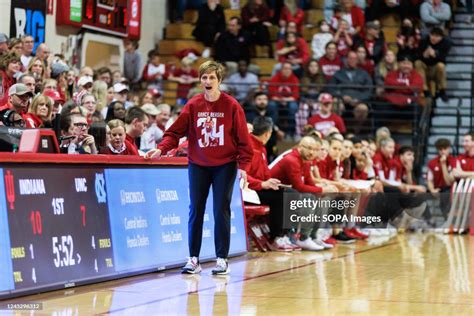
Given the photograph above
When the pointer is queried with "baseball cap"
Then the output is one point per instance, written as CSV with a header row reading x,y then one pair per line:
x,y
325,98
405,57
84,80
3,38
156,93
58,68
119,87
19,89
150,109
53,94
372,25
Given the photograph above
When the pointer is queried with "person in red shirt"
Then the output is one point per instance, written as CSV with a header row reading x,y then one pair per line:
x,y
330,63
465,165
136,121
186,76
39,113
405,85
356,14
439,178
284,94
19,97
9,67
291,13
292,49
219,145
325,119
117,144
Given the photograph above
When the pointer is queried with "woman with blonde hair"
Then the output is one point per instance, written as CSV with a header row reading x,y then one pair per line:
x,y
387,64
39,113
38,68
99,91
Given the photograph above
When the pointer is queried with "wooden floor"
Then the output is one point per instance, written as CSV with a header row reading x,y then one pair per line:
x,y
412,274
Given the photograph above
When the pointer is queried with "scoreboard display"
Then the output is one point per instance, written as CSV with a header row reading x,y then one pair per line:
x,y
62,226
116,17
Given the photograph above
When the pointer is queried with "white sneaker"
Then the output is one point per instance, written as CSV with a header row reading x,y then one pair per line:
x,y
287,241
221,267
279,244
308,244
192,267
322,244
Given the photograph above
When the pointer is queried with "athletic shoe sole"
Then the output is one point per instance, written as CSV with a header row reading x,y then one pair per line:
x,y
195,271
221,273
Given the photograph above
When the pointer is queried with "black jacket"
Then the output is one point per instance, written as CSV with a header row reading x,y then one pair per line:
x,y
441,49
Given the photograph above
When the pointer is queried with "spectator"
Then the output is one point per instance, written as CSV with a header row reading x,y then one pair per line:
x,y
163,116
439,178
9,67
465,161
343,38
284,94
117,76
293,50
210,24
11,118
38,68
71,84
256,20
354,15
321,39
115,110
121,94
39,113
373,41
105,74
313,81
148,96
326,119
76,126
403,86
352,84
291,27
4,49
59,71
89,103
154,72
86,71
363,62
29,81
186,76
291,13
233,45
49,84
99,91
153,135
330,63
136,122
434,13
388,64
57,101
431,64
117,144
16,46
43,53
28,45
132,64
408,38
84,86
406,156
242,83
18,99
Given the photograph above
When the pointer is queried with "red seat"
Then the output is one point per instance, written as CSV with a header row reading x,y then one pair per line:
x,y
257,226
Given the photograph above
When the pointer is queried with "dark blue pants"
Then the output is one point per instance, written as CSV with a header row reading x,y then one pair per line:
x,y
222,179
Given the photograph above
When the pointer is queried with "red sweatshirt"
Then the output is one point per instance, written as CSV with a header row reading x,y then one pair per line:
x,y
302,51
329,67
387,168
435,172
131,146
466,162
292,170
406,86
298,18
284,87
258,171
217,132
323,124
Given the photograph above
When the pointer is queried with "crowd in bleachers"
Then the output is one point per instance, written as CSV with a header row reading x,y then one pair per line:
x,y
330,88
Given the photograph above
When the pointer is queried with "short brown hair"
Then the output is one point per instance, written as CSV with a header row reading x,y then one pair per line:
x,y
210,66
442,143
8,59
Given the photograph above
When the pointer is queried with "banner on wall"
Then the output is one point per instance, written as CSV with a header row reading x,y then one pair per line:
x,y
28,17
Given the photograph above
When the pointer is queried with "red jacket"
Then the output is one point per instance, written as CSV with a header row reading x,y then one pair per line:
x,y
5,83
284,87
387,168
217,132
435,171
258,171
466,162
302,51
32,120
285,15
131,146
406,87
329,67
292,170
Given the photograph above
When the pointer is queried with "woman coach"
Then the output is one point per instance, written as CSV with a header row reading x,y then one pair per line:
x,y
219,144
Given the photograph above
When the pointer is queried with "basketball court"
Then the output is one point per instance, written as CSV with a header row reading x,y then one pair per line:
x,y
408,274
